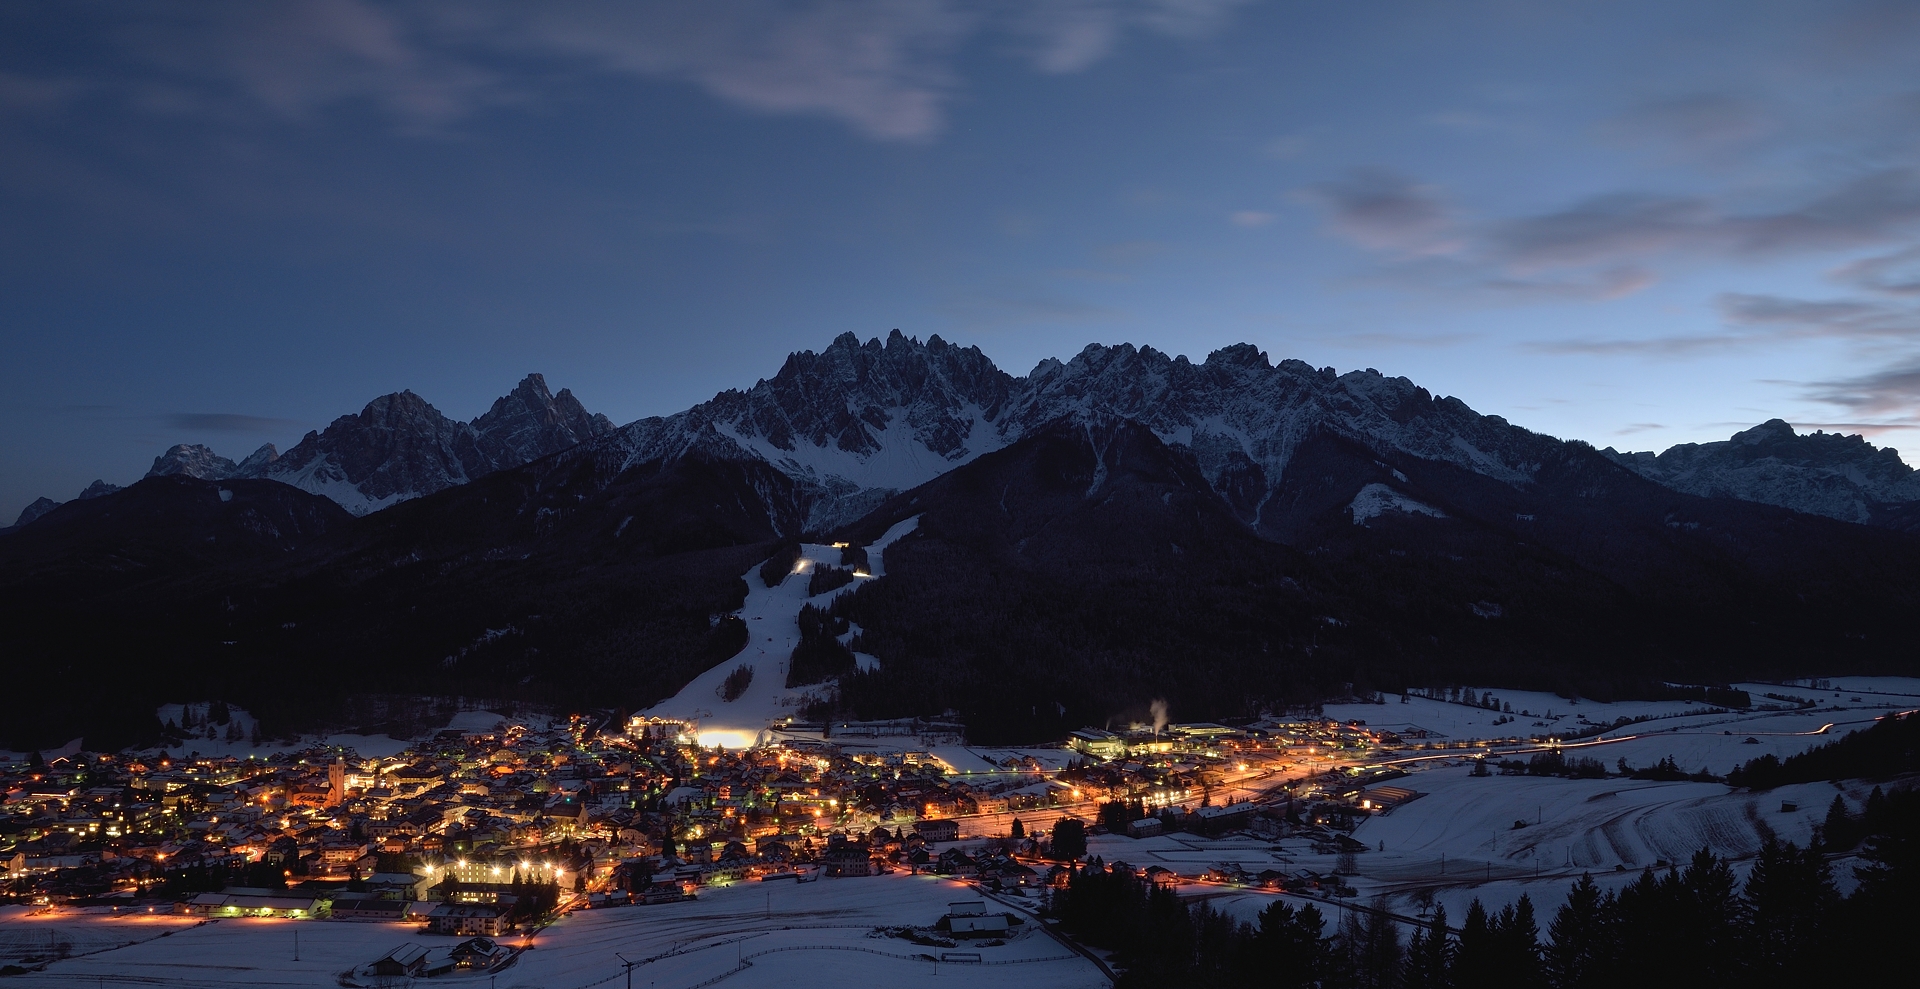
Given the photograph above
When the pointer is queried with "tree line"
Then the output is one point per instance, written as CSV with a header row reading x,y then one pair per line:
x,y
1890,747
1785,924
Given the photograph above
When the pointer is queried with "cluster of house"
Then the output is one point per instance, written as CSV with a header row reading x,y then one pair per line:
x,y
1213,741
456,830
418,961
579,799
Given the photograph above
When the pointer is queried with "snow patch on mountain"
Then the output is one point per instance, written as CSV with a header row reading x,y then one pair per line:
x,y
323,477
772,618
1375,500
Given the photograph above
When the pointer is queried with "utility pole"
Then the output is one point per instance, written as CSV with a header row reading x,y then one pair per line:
x,y
296,943
629,965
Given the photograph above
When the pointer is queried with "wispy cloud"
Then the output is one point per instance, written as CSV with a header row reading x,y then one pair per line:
x,y
1850,319
1763,320
1893,391
1894,274
1386,211
1695,125
1633,227
887,68
1062,36
1614,245
1868,428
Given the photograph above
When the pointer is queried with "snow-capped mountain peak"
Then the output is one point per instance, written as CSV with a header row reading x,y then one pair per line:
x,y
852,423
1832,474
858,422
399,447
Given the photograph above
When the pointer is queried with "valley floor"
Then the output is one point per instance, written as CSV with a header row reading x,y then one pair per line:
x,y
815,935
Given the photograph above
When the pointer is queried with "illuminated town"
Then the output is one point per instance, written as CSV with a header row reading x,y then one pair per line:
x,y
637,815
1064,494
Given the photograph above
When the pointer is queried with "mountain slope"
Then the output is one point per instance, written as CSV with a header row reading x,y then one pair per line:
x,y
851,424
400,447
1087,568
573,581
1821,473
1229,534
859,422
104,601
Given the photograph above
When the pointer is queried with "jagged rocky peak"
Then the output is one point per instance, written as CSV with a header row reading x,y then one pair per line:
x,y
531,422
859,420
399,446
193,460
854,396
1833,474
40,506
1243,416
257,462
98,489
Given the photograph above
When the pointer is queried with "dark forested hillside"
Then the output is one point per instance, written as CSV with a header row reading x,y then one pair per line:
x,y
1087,569
1068,578
544,583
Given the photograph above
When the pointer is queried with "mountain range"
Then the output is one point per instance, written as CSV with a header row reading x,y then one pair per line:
x,y
399,447
1229,535
1839,476
858,422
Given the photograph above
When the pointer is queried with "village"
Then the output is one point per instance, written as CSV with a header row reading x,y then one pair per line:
x,y
469,843
458,830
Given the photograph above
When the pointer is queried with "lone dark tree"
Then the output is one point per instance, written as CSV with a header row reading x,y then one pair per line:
x,y
1069,838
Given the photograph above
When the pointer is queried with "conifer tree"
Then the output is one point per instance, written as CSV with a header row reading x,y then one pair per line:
x,y
1288,945
1517,939
1579,955
1791,894
1474,953
1706,925
1428,955
1380,955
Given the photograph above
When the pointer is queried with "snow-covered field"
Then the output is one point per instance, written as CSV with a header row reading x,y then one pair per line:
x,y
1535,713
770,614
802,936
366,746
24,933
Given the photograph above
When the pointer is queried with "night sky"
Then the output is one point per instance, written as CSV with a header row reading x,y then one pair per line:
x,y
1633,223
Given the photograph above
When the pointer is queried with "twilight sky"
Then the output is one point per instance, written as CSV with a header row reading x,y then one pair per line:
x,y
1633,223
